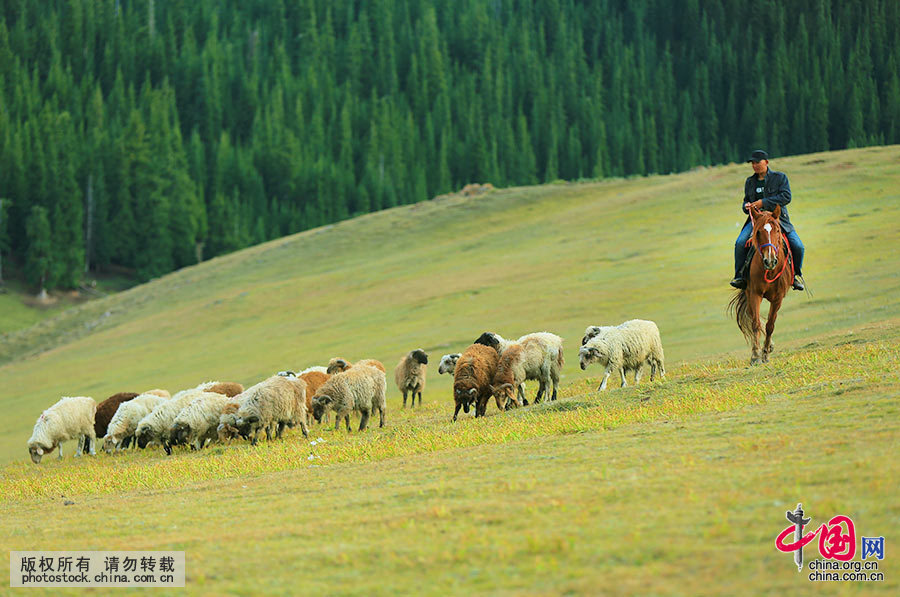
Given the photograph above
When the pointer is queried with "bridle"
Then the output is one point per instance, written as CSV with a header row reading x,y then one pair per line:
x,y
760,248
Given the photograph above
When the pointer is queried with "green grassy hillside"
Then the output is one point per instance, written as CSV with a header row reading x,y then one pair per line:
x,y
676,486
436,274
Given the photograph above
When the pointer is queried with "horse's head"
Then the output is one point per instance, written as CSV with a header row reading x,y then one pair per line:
x,y
767,235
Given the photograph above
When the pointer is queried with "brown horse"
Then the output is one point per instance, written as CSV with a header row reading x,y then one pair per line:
x,y
771,276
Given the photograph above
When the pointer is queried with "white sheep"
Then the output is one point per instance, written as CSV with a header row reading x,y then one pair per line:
x,y
361,388
533,356
625,348
198,421
277,401
125,421
448,363
72,417
156,426
409,375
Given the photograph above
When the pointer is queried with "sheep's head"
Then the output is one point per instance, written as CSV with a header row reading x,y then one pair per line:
x,y
336,365
37,452
246,426
419,356
226,431
110,443
179,434
465,396
587,355
489,339
448,363
320,405
505,393
143,436
286,374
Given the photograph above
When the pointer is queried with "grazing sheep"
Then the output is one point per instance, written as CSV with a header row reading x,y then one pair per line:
x,y
108,408
472,378
361,388
198,421
410,374
156,426
72,417
534,356
276,400
448,363
337,365
625,348
125,421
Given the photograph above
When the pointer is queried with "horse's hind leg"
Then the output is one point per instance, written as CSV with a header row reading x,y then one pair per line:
x,y
770,329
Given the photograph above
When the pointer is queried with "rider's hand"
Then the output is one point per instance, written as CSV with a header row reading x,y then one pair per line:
x,y
757,204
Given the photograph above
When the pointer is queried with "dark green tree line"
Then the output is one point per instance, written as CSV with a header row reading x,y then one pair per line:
x,y
148,134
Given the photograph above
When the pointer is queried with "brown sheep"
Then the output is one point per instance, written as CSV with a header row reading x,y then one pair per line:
x,y
314,381
337,365
472,378
410,375
108,408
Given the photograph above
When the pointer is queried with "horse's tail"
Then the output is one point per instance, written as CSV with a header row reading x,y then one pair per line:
x,y
738,307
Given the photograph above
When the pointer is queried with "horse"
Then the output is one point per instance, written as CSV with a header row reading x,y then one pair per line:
x,y
771,277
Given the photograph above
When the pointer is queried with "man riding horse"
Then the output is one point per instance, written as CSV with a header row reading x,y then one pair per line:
x,y
765,189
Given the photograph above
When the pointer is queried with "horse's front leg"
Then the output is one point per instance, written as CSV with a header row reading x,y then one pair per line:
x,y
753,304
770,328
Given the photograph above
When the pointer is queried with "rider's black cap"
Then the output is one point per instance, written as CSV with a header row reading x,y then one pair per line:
x,y
758,155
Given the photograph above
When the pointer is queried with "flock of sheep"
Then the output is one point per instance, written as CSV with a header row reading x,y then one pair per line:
x,y
223,411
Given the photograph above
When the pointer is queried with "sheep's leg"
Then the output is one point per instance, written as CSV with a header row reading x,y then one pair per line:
x,y
268,433
347,421
456,412
540,394
605,378
79,446
420,398
304,428
337,422
381,416
60,451
652,370
93,446
639,372
168,448
281,426
363,420
622,373
404,398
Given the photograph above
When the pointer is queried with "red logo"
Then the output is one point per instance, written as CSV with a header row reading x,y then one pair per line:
x,y
835,541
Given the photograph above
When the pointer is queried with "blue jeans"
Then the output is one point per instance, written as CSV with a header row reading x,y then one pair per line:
x,y
740,251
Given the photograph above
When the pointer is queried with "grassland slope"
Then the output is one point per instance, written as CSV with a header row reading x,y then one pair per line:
x,y
438,273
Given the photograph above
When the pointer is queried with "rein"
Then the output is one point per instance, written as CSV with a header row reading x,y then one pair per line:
x,y
783,264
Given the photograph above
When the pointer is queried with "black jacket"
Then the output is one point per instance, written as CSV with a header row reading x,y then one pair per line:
x,y
777,191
